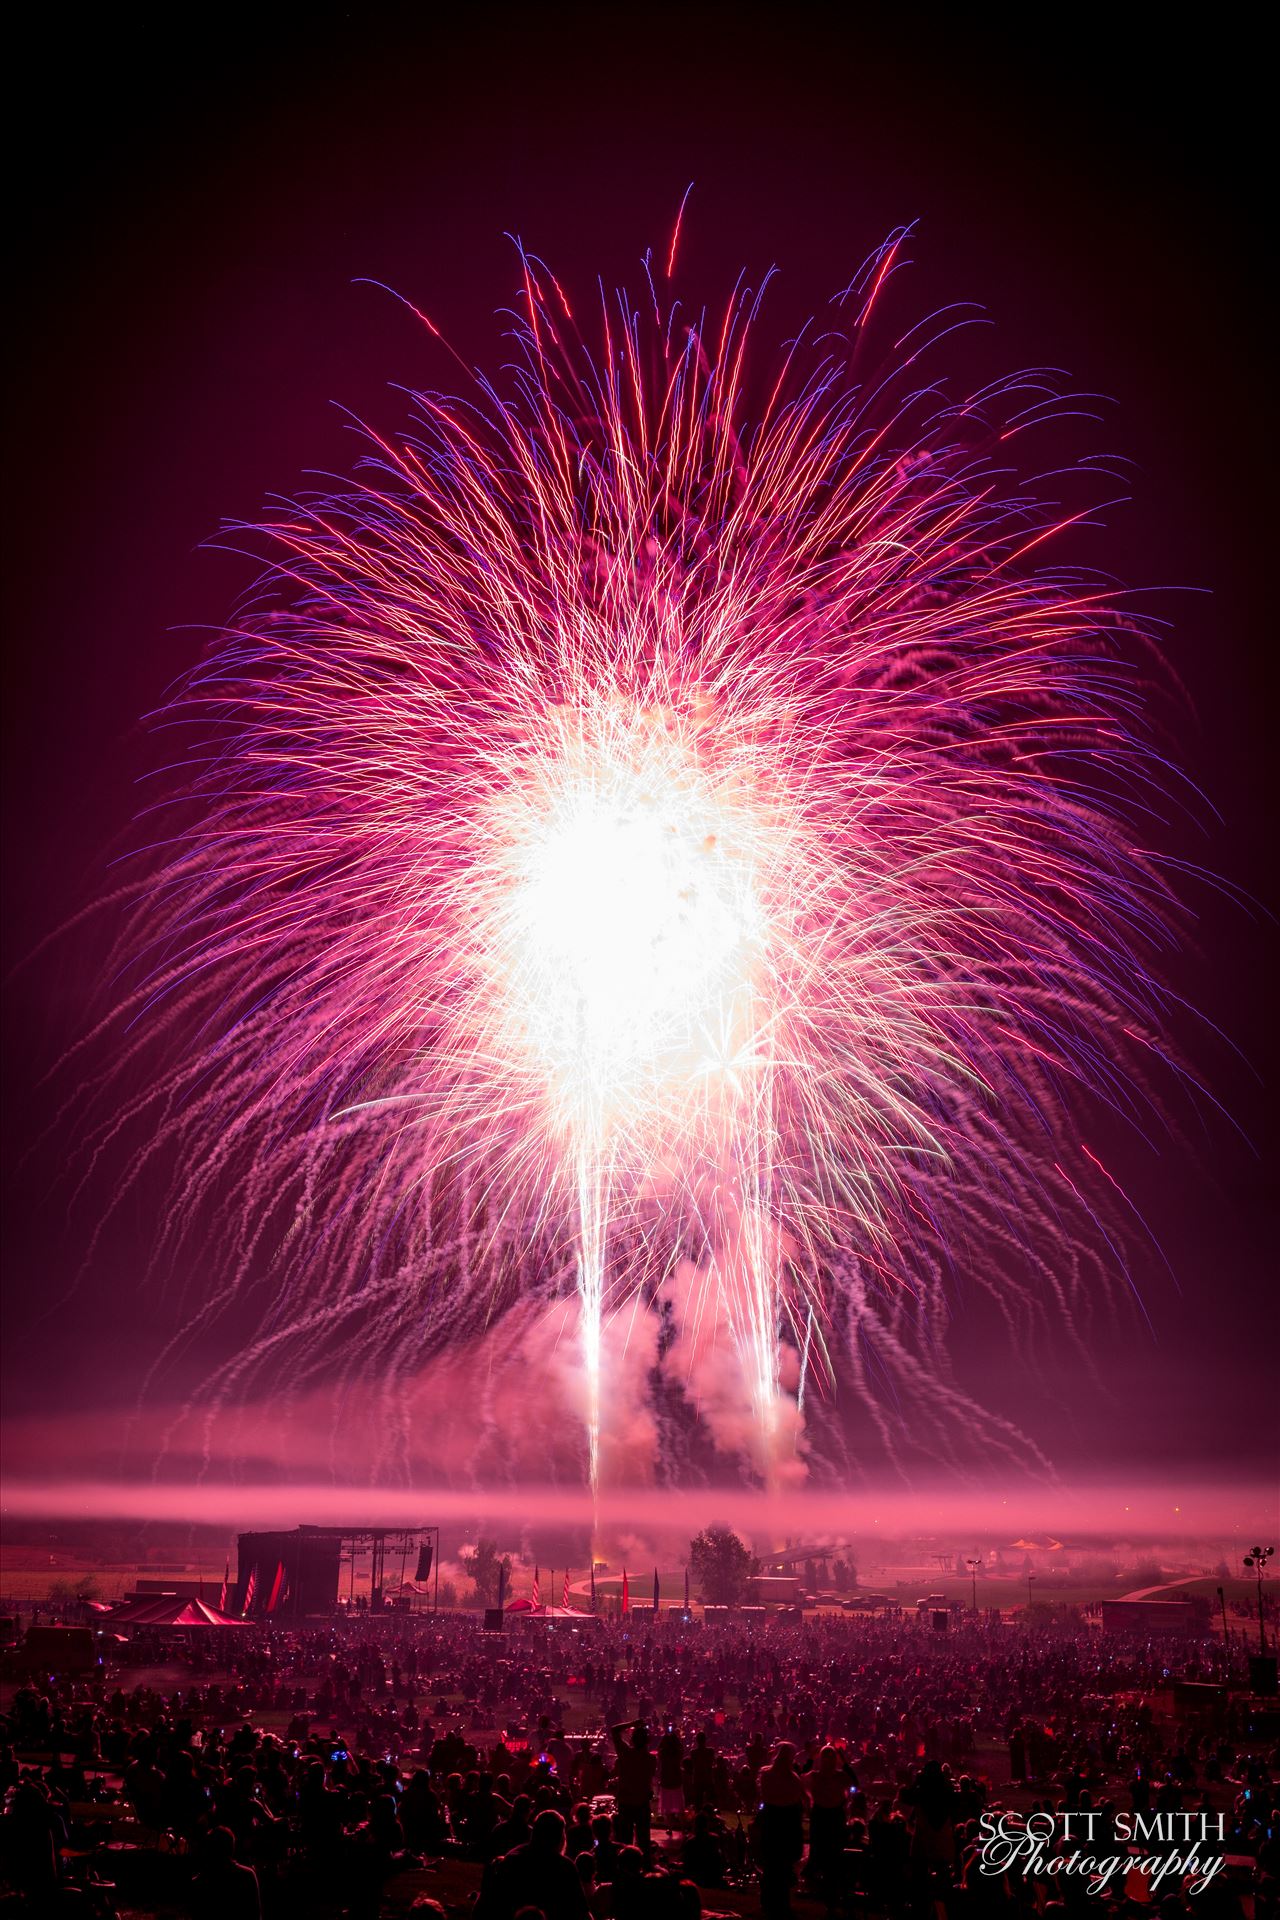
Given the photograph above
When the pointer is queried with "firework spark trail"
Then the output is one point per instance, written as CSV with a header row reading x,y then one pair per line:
x,y
629,831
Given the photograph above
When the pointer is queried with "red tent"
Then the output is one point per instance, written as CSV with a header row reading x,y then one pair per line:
x,y
170,1610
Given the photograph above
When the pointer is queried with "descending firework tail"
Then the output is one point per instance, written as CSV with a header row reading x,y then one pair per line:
x,y
655,835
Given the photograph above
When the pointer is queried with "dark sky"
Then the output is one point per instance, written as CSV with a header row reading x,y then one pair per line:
x,y
191,215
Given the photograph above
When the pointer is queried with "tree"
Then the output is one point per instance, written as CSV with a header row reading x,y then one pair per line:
x,y
845,1575
69,1596
482,1565
721,1565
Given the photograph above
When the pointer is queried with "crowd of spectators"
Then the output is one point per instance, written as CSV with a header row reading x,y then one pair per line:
x,y
621,1770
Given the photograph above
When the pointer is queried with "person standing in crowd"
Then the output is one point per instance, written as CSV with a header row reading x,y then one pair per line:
x,y
671,1779
827,1785
633,1776
779,1831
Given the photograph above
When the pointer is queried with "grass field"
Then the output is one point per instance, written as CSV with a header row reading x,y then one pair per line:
x,y
27,1573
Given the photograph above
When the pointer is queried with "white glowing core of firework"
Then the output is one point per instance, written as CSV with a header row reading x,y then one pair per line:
x,y
638,931
635,929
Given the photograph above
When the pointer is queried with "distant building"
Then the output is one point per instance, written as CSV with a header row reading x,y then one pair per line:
x,y
1147,1616
774,1589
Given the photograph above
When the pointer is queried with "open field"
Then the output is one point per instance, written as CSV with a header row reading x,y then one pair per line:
x,y
28,1573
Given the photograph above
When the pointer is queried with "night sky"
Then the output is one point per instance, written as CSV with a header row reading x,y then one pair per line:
x,y
191,218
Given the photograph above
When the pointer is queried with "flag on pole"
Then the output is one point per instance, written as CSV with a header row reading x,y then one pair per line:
x,y
226,1582
626,1593
564,1597
593,1583
277,1588
537,1590
250,1588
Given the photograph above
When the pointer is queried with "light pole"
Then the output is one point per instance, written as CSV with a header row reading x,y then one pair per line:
x,y
1257,1560
973,1563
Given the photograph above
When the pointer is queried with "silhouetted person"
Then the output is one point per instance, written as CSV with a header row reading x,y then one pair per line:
x,y
827,1787
31,1832
779,1831
536,1874
704,1859
223,1889
634,1773
671,1779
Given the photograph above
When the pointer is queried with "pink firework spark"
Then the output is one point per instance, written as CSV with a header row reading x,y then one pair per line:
x,y
637,839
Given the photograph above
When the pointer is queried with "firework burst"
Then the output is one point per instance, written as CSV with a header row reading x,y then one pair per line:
x,y
642,836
